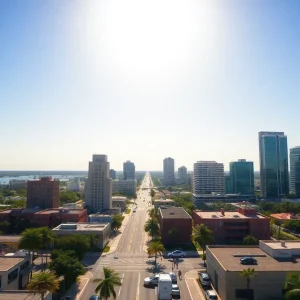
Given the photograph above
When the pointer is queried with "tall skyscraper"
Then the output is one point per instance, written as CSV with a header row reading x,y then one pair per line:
x,y
43,193
242,177
98,189
208,178
112,174
128,170
295,170
169,169
273,156
182,174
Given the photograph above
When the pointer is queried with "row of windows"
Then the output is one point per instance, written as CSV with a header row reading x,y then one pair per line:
x,y
12,276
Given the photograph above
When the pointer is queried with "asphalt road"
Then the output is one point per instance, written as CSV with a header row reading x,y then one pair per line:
x,y
132,263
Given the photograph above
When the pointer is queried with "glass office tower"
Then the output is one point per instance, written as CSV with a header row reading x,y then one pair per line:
x,y
273,156
242,177
295,170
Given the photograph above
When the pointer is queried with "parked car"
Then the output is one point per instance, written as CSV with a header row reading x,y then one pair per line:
x,y
204,279
94,297
176,253
175,290
248,260
211,295
151,281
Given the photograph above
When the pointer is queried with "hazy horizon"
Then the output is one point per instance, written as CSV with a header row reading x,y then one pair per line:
x,y
141,81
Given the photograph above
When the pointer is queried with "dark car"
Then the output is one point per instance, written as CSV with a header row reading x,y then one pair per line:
x,y
248,260
94,297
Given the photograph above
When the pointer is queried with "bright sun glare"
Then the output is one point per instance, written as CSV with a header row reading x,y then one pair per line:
x,y
147,39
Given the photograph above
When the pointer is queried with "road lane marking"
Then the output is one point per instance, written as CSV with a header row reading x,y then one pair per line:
x,y
121,283
138,288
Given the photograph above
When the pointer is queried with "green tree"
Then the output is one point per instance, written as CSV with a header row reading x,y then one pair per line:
x,y
152,193
106,286
204,258
78,242
47,238
250,240
248,274
31,240
5,227
116,222
292,281
67,197
202,236
58,252
43,282
293,294
67,266
155,248
153,213
152,228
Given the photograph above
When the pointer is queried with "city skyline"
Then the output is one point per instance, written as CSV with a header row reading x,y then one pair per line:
x,y
194,80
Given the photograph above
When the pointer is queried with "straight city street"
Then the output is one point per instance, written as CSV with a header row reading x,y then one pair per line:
x,y
131,260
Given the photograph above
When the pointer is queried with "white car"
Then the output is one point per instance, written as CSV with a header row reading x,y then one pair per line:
x,y
176,254
175,290
151,281
211,295
173,277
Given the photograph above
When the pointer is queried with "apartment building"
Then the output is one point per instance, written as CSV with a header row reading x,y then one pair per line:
x,y
169,169
98,188
125,187
128,170
43,193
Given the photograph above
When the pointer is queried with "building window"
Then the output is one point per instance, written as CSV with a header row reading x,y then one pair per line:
x,y
244,294
12,276
24,265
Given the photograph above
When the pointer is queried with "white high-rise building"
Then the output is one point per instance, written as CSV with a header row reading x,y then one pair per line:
x,y
98,189
169,176
128,170
208,178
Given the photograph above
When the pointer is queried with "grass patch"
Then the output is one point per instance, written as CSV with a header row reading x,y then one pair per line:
x,y
127,211
286,236
106,249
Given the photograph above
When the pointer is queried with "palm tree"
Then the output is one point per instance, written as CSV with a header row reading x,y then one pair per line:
x,y
155,247
31,240
152,227
204,258
47,239
153,213
106,286
43,282
293,294
202,235
248,274
292,282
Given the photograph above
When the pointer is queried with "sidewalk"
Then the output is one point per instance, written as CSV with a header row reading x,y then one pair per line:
x,y
114,242
193,286
77,288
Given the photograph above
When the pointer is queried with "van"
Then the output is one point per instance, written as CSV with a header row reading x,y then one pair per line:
x,y
164,288
211,295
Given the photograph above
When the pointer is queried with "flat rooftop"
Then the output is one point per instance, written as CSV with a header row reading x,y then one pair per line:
x,y
227,215
60,211
8,262
174,213
285,216
229,258
81,227
277,245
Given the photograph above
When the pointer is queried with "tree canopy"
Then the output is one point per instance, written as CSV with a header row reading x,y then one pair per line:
x,y
202,235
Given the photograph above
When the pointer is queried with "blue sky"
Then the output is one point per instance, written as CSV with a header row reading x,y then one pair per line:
x,y
143,80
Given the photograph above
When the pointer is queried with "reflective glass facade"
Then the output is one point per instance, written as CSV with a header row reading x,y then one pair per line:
x,y
274,176
242,177
295,171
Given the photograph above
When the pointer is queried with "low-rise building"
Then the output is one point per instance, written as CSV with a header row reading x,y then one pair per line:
x,y
164,202
14,271
75,205
175,225
233,226
101,230
284,217
119,201
275,261
126,187
100,218
15,184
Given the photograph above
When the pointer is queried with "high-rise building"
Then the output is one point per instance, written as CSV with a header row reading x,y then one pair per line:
x,y
208,178
242,177
169,169
182,174
295,170
273,156
112,174
227,184
43,193
128,170
98,190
